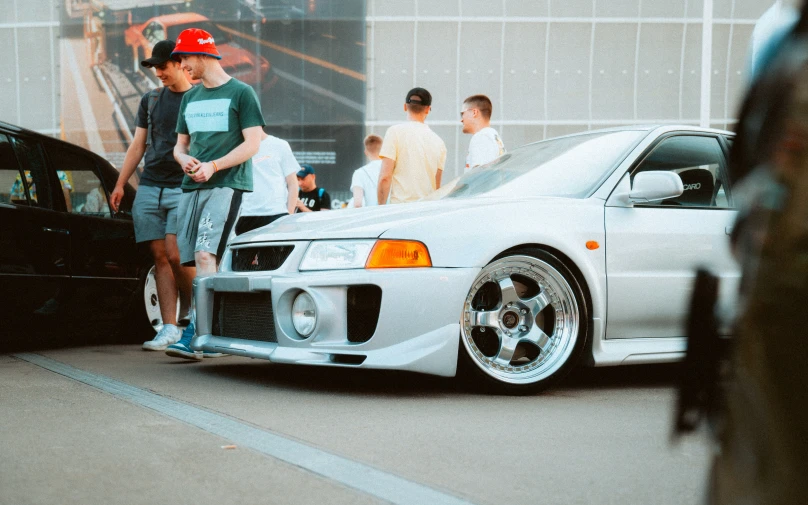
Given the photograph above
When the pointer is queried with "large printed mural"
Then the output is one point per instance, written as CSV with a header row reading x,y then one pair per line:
x,y
304,58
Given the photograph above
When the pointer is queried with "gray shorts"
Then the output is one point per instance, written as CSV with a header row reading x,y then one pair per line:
x,y
155,212
205,220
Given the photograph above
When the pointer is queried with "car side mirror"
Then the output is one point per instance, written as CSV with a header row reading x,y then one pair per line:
x,y
654,186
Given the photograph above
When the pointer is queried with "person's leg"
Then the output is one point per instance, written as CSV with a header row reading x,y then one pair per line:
x,y
166,286
187,223
183,276
215,213
150,226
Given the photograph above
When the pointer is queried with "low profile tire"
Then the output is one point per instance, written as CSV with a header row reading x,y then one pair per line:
x,y
524,325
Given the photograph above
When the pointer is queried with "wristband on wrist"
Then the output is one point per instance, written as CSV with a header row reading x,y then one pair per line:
x,y
215,168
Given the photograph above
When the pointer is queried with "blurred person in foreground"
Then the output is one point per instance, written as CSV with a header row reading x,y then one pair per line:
x,y
756,401
365,179
412,154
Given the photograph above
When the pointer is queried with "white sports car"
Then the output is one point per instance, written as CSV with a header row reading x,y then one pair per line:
x,y
582,247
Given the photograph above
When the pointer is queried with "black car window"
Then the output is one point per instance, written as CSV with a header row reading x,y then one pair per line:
x,y
87,194
699,162
34,185
12,187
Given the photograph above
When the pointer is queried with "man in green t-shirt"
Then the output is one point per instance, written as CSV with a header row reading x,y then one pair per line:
x,y
218,131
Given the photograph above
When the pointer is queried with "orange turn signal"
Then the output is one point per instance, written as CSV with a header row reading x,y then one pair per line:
x,y
398,254
592,245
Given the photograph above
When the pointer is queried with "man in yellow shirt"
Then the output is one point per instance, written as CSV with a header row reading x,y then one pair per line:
x,y
412,154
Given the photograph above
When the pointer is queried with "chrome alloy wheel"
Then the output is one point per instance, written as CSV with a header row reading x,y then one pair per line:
x,y
521,320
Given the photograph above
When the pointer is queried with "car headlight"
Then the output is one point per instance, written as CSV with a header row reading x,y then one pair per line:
x,y
336,254
304,314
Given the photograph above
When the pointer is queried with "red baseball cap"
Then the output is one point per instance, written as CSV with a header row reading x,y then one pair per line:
x,y
196,41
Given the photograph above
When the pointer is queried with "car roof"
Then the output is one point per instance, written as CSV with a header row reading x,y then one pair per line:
x,y
648,128
47,138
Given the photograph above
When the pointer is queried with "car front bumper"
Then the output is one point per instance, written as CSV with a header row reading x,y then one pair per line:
x,y
418,323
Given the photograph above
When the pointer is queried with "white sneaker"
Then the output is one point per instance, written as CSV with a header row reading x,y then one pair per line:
x,y
168,335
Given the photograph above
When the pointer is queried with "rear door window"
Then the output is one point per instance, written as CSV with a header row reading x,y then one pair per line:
x,y
85,193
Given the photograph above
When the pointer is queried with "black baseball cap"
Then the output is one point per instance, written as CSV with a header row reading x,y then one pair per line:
x,y
419,96
161,53
305,169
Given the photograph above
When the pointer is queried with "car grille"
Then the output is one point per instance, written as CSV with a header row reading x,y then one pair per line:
x,y
260,259
364,303
246,316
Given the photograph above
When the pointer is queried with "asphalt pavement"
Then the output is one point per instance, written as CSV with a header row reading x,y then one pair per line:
x,y
114,424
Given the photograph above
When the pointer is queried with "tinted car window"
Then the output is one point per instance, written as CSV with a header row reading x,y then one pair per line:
x,y
33,186
12,188
87,194
699,162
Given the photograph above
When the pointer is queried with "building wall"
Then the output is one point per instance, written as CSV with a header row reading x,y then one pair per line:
x,y
553,67
550,66
29,67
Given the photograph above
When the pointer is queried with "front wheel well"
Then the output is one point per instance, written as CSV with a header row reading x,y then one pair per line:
x,y
579,276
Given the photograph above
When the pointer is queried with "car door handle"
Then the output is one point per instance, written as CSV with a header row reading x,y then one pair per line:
x,y
56,230
728,230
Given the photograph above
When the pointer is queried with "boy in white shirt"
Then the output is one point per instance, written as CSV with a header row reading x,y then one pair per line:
x,y
365,180
486,144
275,187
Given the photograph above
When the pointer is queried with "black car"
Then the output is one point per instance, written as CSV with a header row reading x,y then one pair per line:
x,y
70,271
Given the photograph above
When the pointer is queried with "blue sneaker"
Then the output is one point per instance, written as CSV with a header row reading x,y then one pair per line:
x,y
182,349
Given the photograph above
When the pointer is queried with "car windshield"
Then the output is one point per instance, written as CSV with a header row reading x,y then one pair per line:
x,y
218,35
570,167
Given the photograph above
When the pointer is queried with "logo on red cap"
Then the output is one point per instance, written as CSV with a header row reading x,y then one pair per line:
x,y
196,41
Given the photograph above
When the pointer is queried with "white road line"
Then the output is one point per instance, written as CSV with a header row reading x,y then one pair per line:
x,y
361,477
96,145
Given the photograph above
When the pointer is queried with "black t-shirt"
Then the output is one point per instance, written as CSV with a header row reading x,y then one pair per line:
x,y
160,167
315,200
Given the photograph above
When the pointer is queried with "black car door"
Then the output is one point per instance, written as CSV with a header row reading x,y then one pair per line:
x,y
34,244
104,260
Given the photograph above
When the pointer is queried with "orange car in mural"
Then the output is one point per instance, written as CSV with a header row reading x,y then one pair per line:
x,y
238,62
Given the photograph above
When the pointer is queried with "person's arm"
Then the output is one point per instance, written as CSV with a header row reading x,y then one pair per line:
x,y
438,175
293,188
385,179
358,196
132,159
188,163
301,207
243,152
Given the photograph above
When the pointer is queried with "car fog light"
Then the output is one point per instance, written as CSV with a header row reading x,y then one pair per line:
x,y
304,314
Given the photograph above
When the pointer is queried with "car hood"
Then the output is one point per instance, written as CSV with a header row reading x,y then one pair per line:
x,y
373,222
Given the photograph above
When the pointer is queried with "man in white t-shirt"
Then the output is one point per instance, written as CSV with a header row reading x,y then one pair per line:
x,y
412,154
486,144
365,180
275,187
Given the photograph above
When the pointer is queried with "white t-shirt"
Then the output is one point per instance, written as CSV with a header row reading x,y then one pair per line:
x,y
485,146
272,163
367,178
